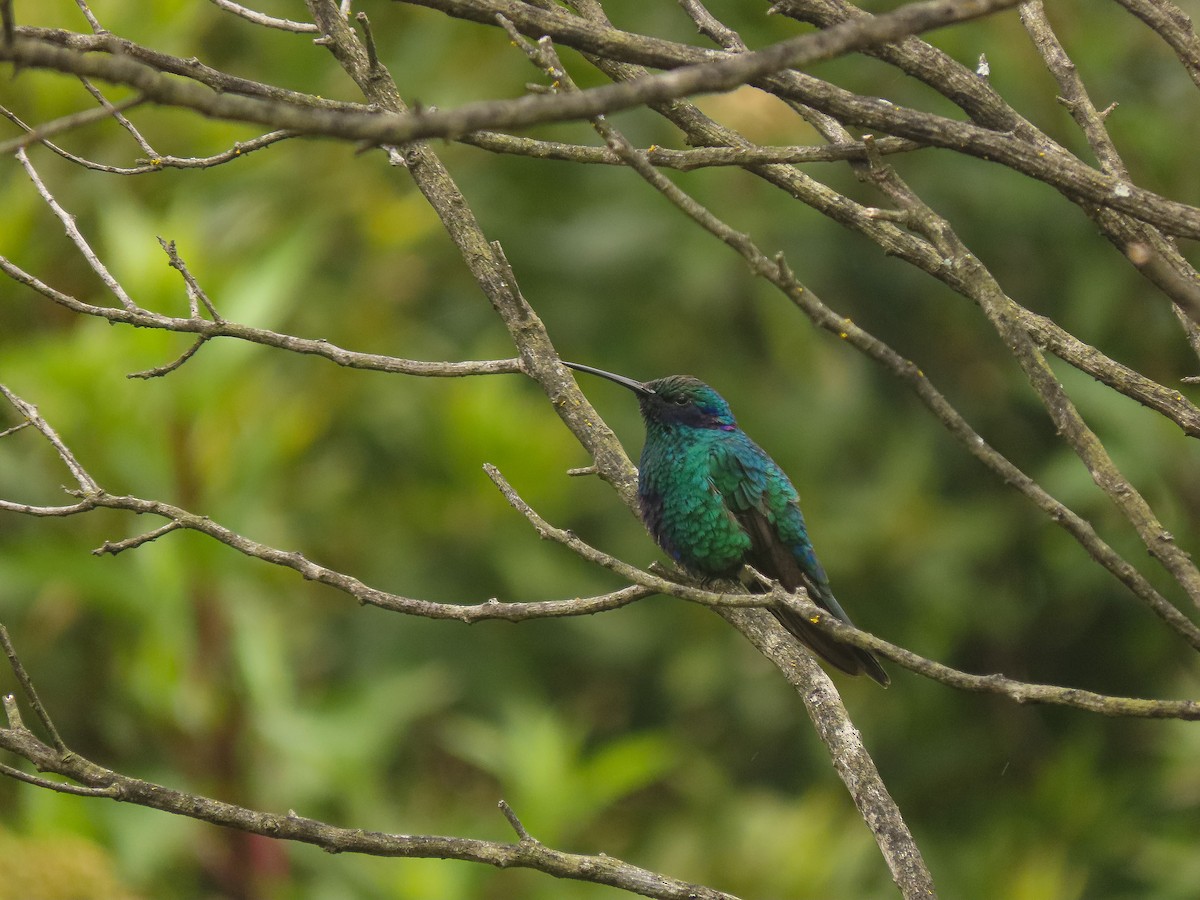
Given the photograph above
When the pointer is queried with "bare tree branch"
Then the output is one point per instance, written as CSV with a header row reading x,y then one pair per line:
x,y
26,683
1154,256
643,584
266,21
74,234
681,160
1170,23
975,443
135,61
743,614
66,123
93,780
143,318
91,496
1009,688
1043,160
483,258
702,71
698,129
156,163
1140,223
29,413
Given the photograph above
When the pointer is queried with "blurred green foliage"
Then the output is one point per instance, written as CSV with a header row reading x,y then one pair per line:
x,y
653,733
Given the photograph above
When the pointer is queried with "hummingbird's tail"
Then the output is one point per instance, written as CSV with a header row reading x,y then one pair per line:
x,y
851,660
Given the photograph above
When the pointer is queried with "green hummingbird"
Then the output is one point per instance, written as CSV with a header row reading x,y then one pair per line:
x,y
715,501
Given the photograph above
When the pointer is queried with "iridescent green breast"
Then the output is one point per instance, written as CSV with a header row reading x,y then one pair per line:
x,y
682,507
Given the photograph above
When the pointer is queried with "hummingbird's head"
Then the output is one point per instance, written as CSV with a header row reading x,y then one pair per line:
x,y
675,400
684,400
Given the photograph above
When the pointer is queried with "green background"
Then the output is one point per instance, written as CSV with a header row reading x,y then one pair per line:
x,y
654,733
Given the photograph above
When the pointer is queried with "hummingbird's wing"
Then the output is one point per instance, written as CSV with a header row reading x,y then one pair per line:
x,y
765,504
767,507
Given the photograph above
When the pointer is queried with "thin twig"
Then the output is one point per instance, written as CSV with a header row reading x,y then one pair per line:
x,y
87,484
194,291
368,40
157,163
1018,691
27,688
12,712
90,16
712,27
112,548
145,59
74,233
59,787
167,369
568,539
1072,93
142,318
1155,257
119,117
263,19
71,122
522,834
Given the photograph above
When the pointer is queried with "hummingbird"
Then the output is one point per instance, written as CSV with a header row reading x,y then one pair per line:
x,y
714,501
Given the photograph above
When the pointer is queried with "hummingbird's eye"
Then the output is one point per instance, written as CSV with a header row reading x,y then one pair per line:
x,y
679,400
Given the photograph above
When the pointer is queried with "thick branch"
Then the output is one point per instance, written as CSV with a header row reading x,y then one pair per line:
x,y
681,160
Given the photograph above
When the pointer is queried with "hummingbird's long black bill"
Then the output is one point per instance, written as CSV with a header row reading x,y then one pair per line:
x,y
636,386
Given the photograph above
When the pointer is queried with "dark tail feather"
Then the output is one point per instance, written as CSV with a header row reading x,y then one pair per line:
x,y
851,660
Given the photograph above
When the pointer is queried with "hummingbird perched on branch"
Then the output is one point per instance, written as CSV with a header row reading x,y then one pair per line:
x,y
714,501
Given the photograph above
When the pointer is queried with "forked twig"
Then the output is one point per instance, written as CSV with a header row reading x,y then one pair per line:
x,y
27,688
